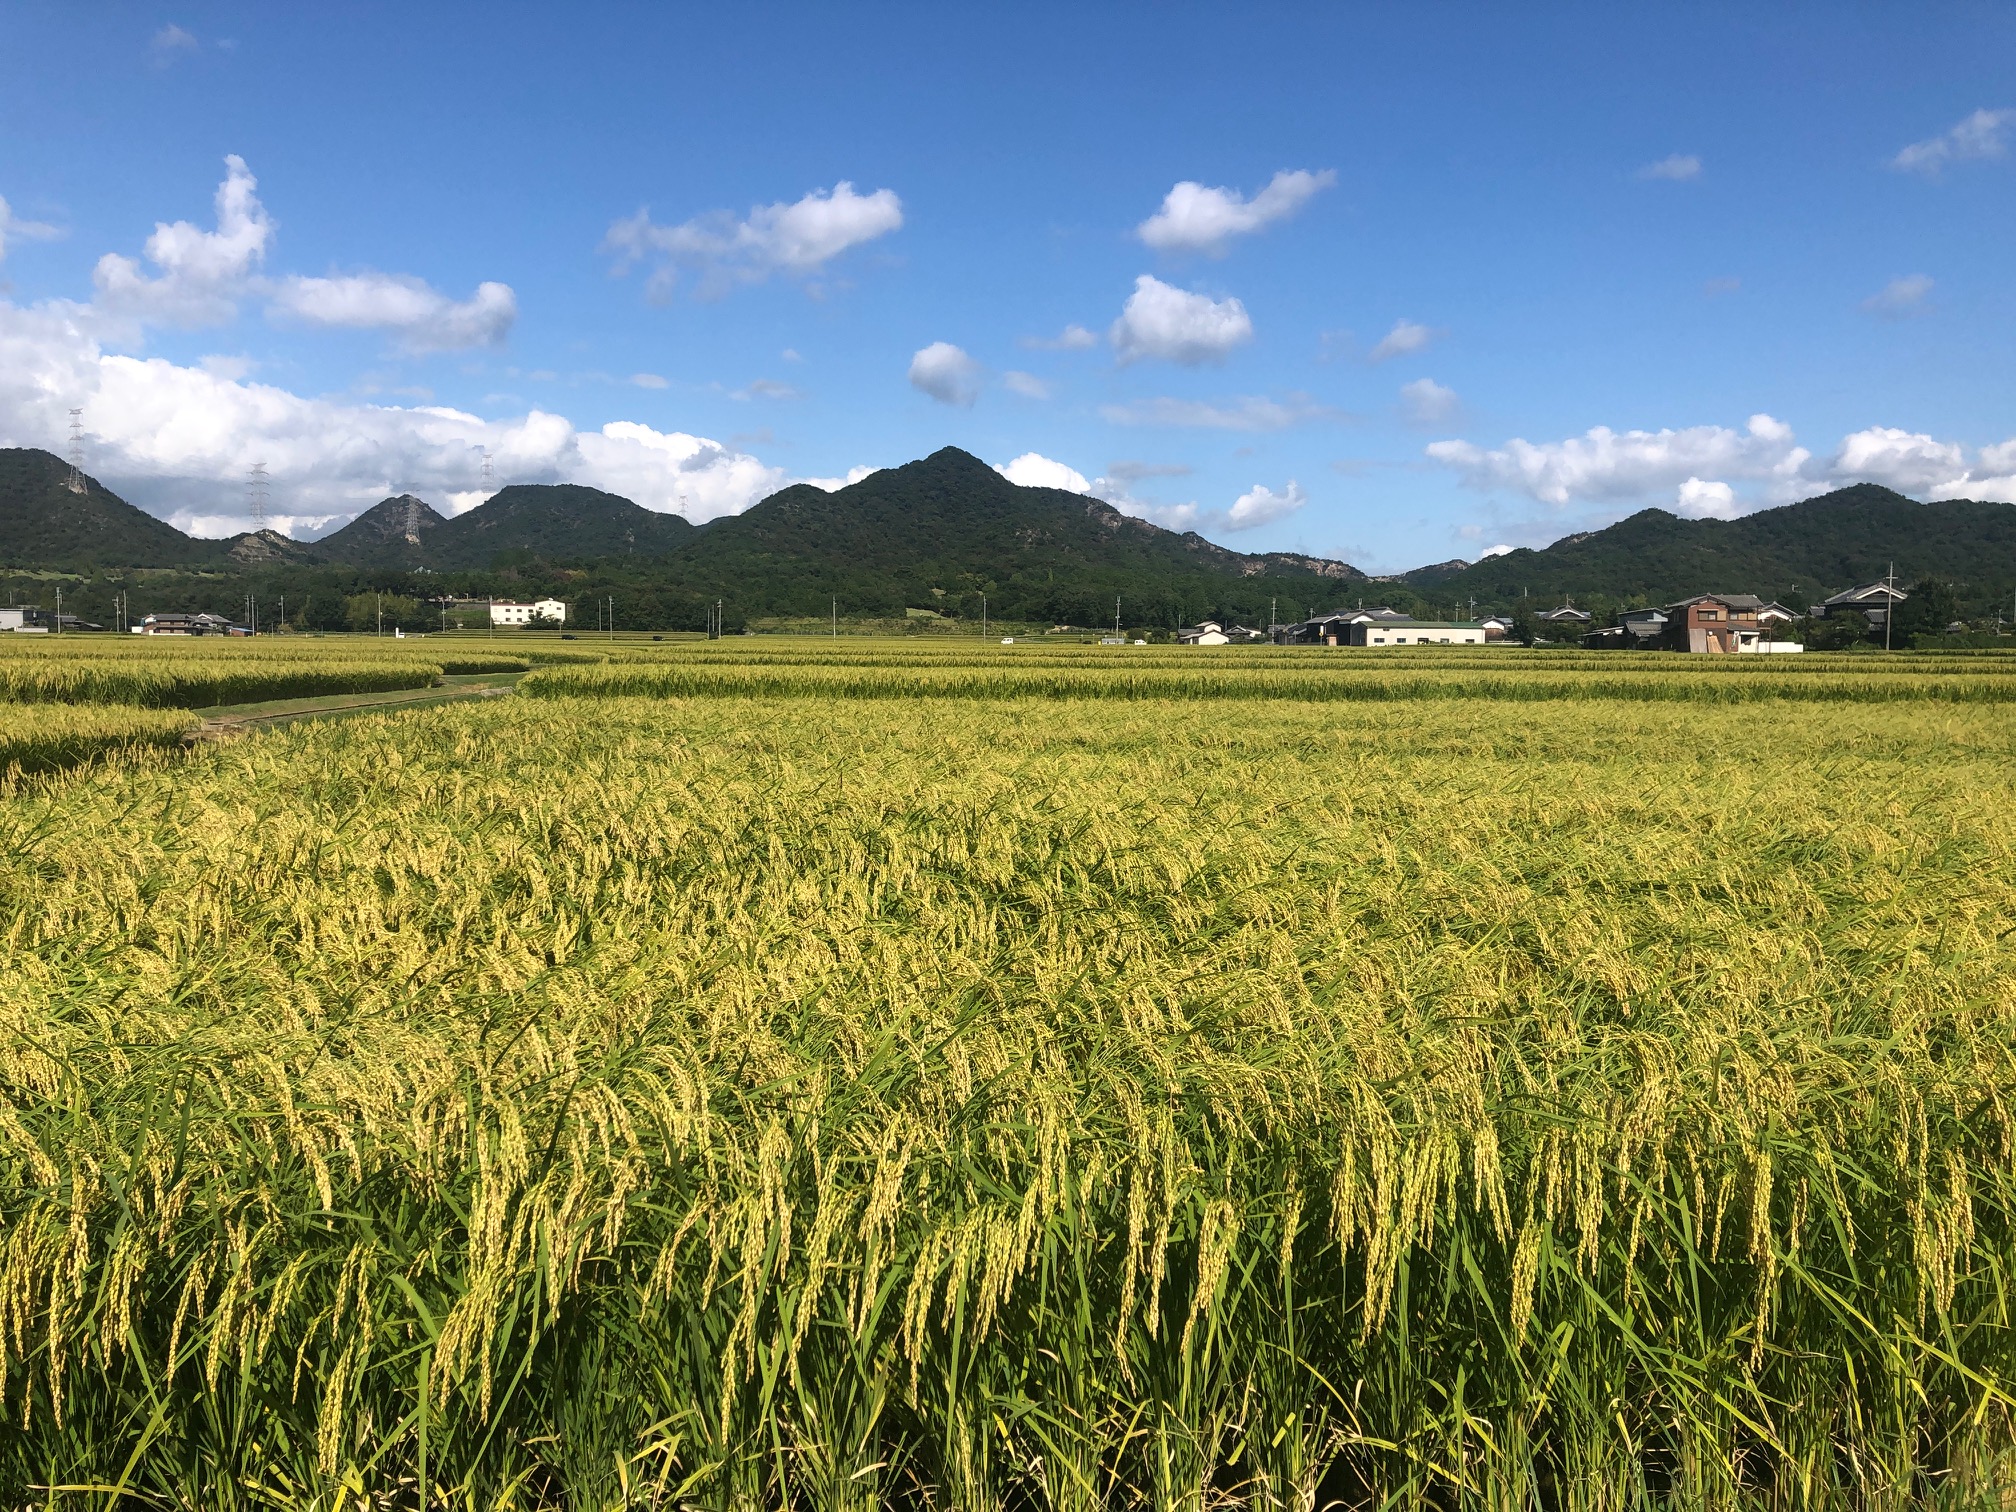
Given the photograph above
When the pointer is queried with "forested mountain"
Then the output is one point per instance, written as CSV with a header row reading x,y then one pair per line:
x,y
43,523
941,532
1797,554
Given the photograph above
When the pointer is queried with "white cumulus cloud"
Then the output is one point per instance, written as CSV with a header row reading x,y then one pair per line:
x,y
202,273
1703,469
420,317
178,440
1426,402
1162,321
1910,462
946,373
1607,466
1677,168
1705,499
1978,136
1260,505
797,238
1034,470
1028,385
1405,338
1194,218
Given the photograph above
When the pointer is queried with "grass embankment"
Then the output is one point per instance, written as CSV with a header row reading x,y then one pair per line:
x,y
746,1103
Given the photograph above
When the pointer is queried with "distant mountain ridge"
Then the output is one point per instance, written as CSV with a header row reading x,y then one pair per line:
x,y
1798,553
949,531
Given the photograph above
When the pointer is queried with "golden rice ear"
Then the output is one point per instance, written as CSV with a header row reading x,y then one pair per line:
x,y
743,1075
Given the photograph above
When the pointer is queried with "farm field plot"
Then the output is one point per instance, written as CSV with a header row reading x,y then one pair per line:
x,y
774,1086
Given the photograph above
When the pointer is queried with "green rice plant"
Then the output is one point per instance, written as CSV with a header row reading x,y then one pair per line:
x,y
38,740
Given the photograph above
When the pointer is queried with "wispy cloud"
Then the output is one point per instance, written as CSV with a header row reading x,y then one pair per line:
x,y
1406,338
798,238
1900,297
171,43
14,229
1977,137
1679,168
1073,338
1426,402
1248,413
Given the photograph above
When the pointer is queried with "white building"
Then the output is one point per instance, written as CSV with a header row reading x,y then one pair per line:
x,y
1414,633
1210,633
546,611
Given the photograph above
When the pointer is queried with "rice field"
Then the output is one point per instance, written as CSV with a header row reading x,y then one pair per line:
x,y
744,1076
37,740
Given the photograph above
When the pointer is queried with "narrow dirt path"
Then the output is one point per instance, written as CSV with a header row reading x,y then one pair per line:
x,y
222,723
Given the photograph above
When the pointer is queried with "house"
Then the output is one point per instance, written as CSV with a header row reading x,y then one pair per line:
x,y
27,619
1874,600
548,611
1411,632
1645,627
1332,629
1209,633
1242,635
188,624
1496,626
1775,614
1719,623
1567,617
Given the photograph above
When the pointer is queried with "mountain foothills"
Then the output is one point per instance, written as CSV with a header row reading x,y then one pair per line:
x,y
946,534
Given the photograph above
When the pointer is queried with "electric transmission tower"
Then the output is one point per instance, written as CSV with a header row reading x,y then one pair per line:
x,y
412,521
255,495
489,473
75,482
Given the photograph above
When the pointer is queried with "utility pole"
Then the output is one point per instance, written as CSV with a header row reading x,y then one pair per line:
x,y
983,616
59,611
836,616
381,613
283,609
612,616
1116,616
1890,604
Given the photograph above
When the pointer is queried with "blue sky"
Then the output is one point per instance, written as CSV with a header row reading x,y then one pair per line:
x,y
1443,278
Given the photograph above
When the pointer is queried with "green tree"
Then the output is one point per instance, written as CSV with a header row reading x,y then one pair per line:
x,y
1525,628
392,611
1931,607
